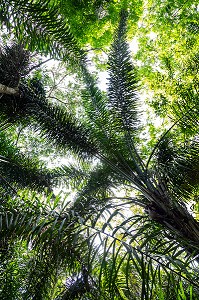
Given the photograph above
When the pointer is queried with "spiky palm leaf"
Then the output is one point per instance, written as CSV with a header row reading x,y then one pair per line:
x,y
30,103
40,26
19,171
123,84
56,246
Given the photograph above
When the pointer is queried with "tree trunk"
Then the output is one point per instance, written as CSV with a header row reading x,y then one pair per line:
x,y
175,217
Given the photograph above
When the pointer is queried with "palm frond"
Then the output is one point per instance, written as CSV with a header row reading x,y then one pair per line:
x,y
64,130
40,26
61,247
123,83
179,166
19,171
123,94
119,250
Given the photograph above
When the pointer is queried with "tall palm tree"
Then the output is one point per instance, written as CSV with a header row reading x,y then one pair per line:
x,y
109,133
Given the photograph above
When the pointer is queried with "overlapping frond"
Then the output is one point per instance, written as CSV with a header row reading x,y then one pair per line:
x,y
124,262
47,240
65,250
40,26
64,130
179,166
19,171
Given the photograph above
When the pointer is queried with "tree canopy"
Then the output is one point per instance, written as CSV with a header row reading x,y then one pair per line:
x,y
97,203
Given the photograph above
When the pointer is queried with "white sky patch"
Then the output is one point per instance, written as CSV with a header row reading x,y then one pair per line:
x,y
103,80
59,161
133,45
152,35
52,63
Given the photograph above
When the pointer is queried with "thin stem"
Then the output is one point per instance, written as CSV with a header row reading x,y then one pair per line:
x,y
52,97
7,183
18,135
158,143
37,66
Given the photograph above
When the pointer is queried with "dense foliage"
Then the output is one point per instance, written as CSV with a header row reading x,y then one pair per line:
x,y
98,210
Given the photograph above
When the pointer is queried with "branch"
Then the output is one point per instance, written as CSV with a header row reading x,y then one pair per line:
x,y
37,66
8,90
52,97
95,49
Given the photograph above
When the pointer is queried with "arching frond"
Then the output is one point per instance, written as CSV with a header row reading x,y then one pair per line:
x,y
63,129
19,171
40,26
